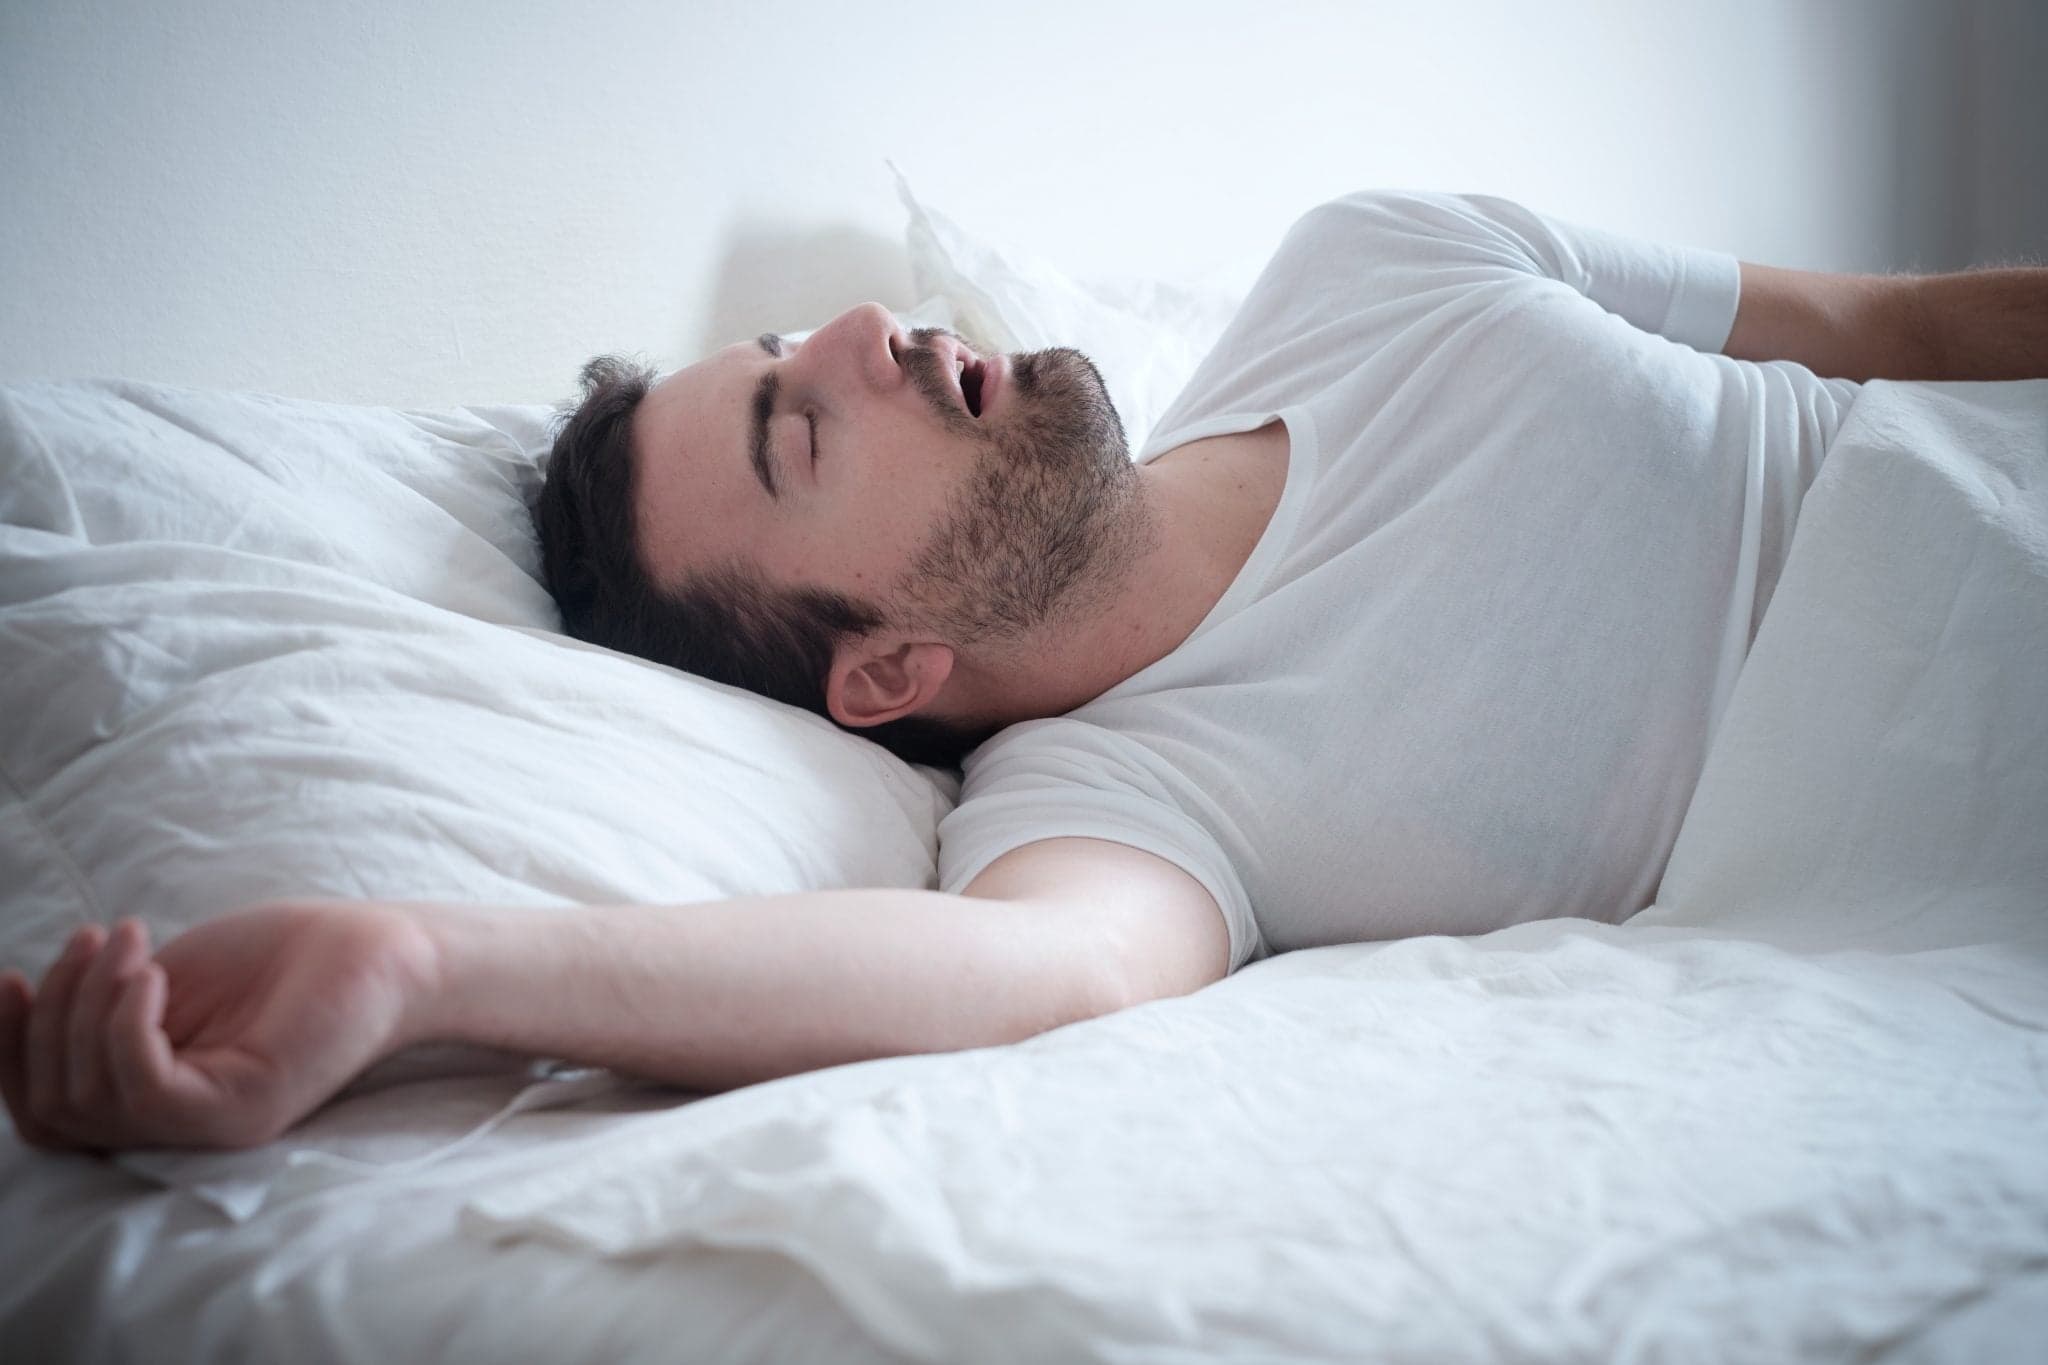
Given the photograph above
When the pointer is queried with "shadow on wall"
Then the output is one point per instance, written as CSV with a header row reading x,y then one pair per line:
x,y
775,279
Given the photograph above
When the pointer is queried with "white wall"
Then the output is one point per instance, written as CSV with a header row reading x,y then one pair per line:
x,y
2003,68
421,204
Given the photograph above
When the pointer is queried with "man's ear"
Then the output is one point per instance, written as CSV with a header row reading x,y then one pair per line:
x,y
878,678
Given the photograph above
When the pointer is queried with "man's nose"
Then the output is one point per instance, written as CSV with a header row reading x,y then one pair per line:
x,y
862,345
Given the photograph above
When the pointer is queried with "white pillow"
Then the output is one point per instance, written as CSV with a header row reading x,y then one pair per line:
x,y
253,647
1146,336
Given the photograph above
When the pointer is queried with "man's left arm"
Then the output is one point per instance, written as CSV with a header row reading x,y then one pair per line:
x,y
1975,325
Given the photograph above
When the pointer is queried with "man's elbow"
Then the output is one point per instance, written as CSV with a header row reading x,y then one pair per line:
x,y
1097,978
1107,983
1150,966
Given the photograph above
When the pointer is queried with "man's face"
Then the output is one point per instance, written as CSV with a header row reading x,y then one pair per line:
x,y
974,495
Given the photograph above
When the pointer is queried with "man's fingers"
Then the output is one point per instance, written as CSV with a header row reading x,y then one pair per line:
x,y
138,1054
16,996
46,1024
86,1083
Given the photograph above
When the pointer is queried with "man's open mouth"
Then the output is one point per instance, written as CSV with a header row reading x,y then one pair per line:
x,y
971,372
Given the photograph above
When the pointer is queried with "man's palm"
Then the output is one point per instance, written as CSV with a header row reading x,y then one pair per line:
x,y
258,1018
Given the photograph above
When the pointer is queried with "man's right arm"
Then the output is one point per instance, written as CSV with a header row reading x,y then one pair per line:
x,y
240,1027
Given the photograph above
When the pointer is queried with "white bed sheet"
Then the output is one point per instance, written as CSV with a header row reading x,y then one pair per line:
x,y
1797,1110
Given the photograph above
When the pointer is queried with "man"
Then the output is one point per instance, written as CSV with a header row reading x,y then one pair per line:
x,y
1415,616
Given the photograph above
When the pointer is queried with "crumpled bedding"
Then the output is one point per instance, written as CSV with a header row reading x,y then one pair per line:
x,y
1795,1110
1565,1143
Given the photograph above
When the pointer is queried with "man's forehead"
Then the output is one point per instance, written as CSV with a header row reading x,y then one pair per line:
x,y
682,407
700,380
681,489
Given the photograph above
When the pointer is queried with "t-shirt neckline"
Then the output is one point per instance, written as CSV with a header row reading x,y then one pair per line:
x,y
1279,531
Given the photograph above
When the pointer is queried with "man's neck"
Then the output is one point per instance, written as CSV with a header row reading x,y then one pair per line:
x,y
1207,502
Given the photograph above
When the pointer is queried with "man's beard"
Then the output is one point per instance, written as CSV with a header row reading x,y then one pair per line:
x,y
1052,518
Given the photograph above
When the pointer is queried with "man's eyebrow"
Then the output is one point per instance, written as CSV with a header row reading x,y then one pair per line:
x,y
764,403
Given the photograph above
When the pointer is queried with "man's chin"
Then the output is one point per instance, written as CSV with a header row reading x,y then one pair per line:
x,y
1065,393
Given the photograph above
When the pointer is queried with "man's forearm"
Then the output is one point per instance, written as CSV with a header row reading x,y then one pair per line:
x,y
1980,325
725,993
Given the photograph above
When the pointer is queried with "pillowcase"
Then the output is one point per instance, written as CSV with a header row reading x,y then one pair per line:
x,y
1146,336
253,647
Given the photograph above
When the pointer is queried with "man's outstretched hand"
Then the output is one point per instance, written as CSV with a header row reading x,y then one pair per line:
x,y
234,1031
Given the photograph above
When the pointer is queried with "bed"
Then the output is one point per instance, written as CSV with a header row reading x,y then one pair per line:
x,y
1796,1110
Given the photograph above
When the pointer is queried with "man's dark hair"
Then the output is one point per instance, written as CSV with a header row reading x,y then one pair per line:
x,y
727,624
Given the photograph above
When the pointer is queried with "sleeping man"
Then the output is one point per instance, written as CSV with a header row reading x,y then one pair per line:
x,y
1415,615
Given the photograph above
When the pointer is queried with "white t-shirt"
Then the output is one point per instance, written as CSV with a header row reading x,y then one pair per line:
x,y
1470,671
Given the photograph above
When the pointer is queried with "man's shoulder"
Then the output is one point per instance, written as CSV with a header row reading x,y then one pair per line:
x,y
1400,223
1333,275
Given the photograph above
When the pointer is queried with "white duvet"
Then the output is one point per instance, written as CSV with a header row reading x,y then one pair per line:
x,y
1796,1110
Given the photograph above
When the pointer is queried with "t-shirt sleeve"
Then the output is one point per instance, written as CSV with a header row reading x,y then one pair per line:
x,y
1062,778
1686,294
